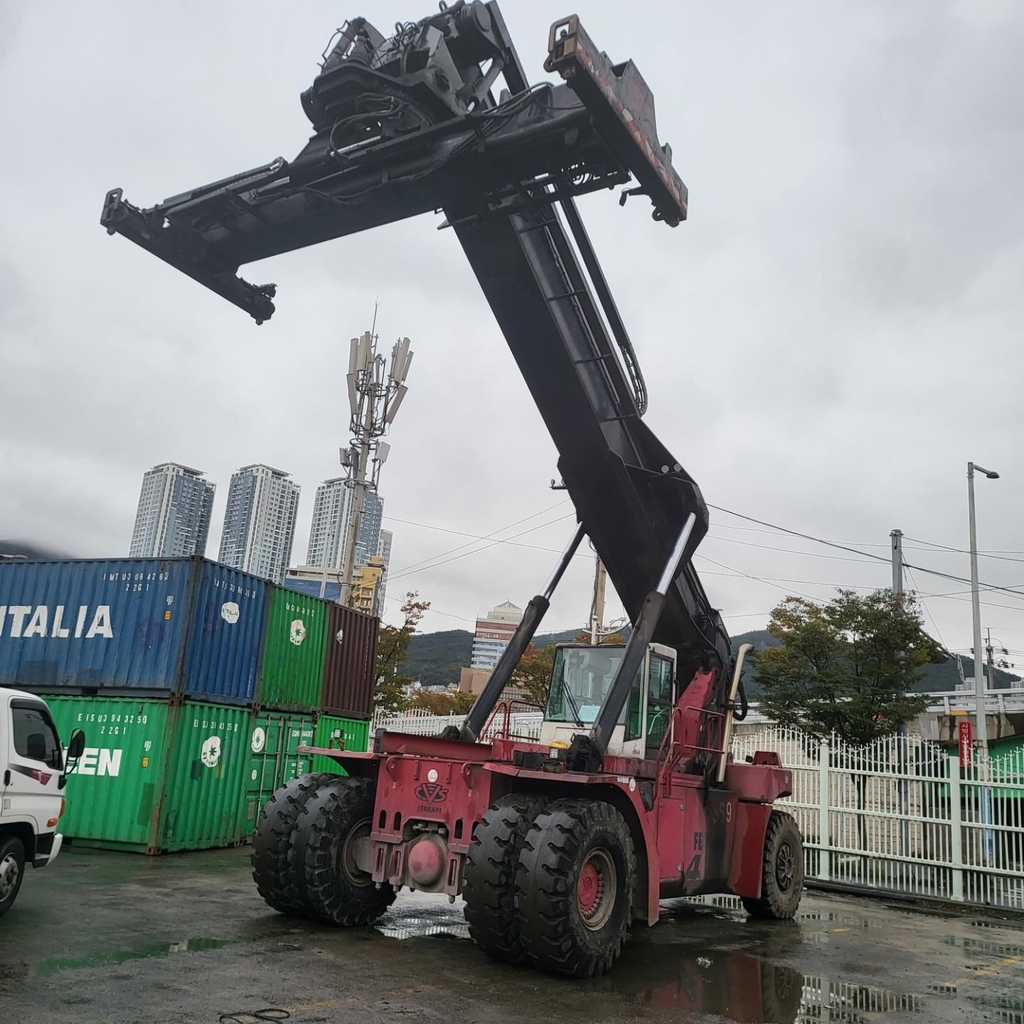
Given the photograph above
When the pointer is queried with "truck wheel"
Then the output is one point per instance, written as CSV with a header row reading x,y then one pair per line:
x,y
12,871
782,871
271,842
576,879
489,882
335,889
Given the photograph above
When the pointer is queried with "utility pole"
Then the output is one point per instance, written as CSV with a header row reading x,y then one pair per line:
x,y
597,607
988,658
896,536
979,672
376,389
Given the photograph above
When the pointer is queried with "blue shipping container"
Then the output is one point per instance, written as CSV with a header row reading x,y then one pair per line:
x,y
141,626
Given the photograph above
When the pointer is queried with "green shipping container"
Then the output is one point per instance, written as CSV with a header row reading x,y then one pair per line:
x,y
154,776
273,738
329,730
294,648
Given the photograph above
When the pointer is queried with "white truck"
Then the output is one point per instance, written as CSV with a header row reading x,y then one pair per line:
x,y
34,768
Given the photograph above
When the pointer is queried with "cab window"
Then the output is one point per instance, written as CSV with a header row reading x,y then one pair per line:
x,y
35,738
659,702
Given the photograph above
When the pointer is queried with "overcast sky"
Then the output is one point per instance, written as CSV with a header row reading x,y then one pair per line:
x,y
827,340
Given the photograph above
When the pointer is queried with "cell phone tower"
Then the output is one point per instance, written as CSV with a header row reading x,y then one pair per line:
x,y
376,390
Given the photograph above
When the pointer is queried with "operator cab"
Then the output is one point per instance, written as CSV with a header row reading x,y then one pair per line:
x,y
580,680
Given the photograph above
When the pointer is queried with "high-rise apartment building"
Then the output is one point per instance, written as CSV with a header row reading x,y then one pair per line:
x,y
384,551
173,517
259,523
493,632
332,513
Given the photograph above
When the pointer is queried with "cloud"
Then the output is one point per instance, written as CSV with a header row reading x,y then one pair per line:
x,y
827,340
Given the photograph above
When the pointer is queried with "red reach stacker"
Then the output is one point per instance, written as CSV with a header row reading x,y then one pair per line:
x,y
630,795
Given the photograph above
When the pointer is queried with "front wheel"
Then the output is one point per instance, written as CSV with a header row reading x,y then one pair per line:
x,y
334,821
782,871
576,878
12,871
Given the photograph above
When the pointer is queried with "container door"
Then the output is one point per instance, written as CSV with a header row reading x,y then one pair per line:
x,y
202,798
114,795
273,759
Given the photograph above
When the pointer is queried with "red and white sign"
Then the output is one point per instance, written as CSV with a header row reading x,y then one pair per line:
x,y
966,739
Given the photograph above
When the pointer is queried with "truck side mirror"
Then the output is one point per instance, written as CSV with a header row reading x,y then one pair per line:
x,y
76,745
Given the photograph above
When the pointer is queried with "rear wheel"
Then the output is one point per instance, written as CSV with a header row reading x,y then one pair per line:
x,y
12,871
272,841
489,882
782,871
334,821
576,878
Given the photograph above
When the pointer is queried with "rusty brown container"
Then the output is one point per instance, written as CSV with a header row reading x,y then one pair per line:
x,y
351,663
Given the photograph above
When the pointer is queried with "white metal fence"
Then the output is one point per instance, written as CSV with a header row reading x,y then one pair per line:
x,y
901,815
420,722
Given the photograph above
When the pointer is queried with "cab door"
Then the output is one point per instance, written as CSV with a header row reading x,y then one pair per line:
x,y
34,765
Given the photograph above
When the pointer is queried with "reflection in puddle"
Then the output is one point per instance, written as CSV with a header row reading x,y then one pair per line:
x,y
670,969
119,956
743,987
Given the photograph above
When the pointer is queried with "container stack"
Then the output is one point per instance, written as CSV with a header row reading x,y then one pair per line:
x,y
195,683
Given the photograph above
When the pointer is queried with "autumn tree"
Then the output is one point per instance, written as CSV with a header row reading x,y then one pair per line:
x,y
846,667
392,651
533,674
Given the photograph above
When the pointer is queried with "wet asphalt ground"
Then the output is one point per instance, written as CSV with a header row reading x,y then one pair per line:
x,y
184,938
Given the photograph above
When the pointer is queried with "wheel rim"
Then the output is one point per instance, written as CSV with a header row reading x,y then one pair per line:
x,y
347,854
8,876
785,866
596,889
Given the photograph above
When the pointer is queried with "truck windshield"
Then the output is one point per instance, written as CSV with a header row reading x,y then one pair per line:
x,y
579,682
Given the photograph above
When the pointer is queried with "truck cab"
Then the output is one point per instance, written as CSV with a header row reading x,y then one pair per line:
x,y
581,677
32,779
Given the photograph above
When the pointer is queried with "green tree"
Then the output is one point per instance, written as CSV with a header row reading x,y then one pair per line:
x,y
462,701
532,675
392,651
846,667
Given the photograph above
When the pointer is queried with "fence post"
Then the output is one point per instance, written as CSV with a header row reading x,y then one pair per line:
x,y
955,844
823,842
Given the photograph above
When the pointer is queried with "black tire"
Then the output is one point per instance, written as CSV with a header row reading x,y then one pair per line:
x,y
489,879
272,871
12,871
333,888
575,885
782,871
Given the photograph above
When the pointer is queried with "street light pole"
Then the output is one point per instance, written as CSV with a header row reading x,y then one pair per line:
x,y
979,666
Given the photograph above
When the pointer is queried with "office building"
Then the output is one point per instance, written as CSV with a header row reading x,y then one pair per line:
x,y
173,517
259,523
493,632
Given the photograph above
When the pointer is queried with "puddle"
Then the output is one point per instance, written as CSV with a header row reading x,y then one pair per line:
x,y
981,947
1009,1009
742,986
119,956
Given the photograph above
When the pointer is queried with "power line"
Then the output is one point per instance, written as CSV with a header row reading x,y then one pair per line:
x,y
510,526
804,536
412,570
1001,555
792,551
924,605
864,554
